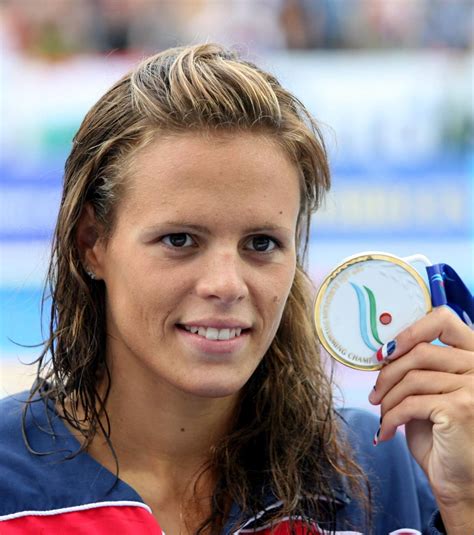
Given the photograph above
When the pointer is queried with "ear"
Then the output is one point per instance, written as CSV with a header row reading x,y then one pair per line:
x,y
89,242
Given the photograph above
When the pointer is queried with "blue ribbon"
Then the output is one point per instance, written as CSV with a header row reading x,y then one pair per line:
x,y
447,288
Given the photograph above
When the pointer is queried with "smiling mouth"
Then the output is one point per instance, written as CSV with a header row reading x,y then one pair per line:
x,y
211,333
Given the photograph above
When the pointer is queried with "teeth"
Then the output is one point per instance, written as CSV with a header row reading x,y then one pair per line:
x,y
211,333
224,334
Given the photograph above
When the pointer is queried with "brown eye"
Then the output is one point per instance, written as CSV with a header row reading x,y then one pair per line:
x,y
177,240
263,244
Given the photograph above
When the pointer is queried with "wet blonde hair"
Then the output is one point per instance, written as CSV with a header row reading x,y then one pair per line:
x,y
285,436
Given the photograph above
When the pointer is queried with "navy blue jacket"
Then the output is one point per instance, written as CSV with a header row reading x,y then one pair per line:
x,y
46,494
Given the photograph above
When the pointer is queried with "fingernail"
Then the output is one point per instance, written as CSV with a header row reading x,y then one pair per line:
x,y
386,350
372,393
376,437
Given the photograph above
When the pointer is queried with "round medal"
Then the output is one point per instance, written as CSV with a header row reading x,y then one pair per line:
x,y
365,302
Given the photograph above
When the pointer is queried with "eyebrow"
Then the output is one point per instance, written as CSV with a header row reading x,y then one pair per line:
x,y
205,230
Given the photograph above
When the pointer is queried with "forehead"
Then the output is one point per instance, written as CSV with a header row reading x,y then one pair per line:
x,y
203,175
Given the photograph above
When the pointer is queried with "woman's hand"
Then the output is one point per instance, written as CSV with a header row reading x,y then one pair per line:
x,y
430,389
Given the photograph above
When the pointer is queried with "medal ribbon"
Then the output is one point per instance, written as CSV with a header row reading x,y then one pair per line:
x,y
447,288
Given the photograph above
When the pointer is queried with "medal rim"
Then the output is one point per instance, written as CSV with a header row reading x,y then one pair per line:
x,y
348,262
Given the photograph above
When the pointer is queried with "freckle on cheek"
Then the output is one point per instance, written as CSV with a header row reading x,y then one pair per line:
x,y
275,299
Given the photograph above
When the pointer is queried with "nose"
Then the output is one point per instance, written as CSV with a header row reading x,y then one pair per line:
x,y
222,278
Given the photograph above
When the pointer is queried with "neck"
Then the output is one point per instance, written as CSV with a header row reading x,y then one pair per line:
x,y
153,422
162,437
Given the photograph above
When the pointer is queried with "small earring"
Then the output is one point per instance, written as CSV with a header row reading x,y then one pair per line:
x,y
91,274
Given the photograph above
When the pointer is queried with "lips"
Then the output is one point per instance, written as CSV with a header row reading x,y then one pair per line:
x,y
217,323
213,345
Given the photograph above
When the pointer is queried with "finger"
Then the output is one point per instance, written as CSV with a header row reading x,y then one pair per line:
x,y
411,408
442,410
423,356
441,323
423,382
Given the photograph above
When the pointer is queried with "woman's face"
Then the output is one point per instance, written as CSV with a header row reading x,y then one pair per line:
x,y
204,241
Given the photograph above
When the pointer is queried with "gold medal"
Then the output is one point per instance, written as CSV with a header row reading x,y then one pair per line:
x,y
365,302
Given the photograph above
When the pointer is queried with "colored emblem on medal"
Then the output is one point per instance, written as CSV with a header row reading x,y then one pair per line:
x,y
364,319
369,319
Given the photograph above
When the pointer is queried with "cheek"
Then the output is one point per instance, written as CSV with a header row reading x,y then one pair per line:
x,y
136,301
278,292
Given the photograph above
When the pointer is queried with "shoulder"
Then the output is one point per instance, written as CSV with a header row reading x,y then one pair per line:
x,y
13,453
10,409
41,468
17,468
24,474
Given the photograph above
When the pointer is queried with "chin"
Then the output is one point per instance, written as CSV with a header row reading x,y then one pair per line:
x,y
215,389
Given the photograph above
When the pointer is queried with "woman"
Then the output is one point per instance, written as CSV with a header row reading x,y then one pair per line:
x,y
185,391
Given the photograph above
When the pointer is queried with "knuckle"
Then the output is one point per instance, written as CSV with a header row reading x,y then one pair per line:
x,y
440,312
459,407
444,315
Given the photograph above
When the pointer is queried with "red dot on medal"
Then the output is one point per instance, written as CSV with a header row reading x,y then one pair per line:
x,y
385,318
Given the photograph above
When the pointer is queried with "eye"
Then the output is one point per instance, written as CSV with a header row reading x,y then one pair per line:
x,y
263,244
177,240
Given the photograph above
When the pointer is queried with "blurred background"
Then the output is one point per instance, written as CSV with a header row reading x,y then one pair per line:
x,y
389,80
